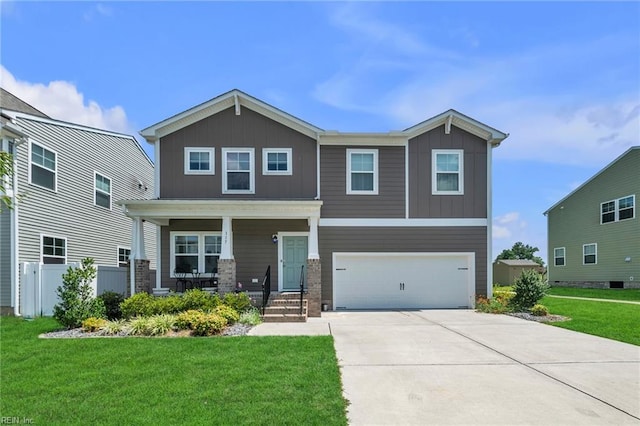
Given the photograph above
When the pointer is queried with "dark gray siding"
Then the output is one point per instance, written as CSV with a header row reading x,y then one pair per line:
x,y
401,239
253,248
389,203
473,204
248,130
5,258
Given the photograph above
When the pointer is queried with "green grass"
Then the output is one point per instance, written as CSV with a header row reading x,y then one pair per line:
x,y
617,321
598,293
150,381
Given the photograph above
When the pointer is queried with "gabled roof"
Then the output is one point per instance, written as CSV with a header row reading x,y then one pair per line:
x,y
517,262
234,98
13,103
624,154
462,121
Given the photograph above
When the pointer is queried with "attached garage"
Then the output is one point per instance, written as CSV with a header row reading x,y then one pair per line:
x,y
403,280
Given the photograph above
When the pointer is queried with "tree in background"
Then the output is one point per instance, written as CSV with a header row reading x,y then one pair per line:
x,y
6,174
521,251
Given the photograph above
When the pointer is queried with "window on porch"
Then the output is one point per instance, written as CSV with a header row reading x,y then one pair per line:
x,y
195,251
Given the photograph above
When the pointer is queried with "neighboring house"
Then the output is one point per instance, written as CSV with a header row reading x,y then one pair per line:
x,y
67,179
506,271
377,220
594,232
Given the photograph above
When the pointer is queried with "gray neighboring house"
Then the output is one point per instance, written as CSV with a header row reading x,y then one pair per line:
x,y
594,232
370,220
68,178
506,271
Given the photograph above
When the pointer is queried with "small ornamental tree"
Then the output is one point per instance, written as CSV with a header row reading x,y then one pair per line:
x,y
6,173
529,288
76,300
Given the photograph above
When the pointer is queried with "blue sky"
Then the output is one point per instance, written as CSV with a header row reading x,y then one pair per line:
x,y
562,78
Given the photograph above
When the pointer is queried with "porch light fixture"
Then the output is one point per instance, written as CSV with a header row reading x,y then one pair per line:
x,y
274,238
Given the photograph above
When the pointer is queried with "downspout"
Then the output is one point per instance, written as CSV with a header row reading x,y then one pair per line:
x,y
489,221
317,166
15,253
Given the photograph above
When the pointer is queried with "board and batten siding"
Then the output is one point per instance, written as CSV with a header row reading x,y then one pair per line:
x,y
5,256
402,240
69,212
253,249
576,221
388,203
247,130
473,203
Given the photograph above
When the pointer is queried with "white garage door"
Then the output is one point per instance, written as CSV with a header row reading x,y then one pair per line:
x,y
403,280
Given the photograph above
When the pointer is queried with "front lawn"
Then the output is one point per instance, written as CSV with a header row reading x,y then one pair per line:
x,y
597,293
219,380
617,321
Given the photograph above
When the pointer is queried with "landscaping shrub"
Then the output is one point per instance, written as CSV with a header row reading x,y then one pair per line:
x,y
198,299
112,301
93,324
138,305
116,327
539,310
172,304
160,325
491,306
238,301
504,297
76,300
202,324
250,317
139,326
227,312
529,288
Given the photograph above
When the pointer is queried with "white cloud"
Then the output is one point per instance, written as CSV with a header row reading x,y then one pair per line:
x,y
98,10
507,225
61,100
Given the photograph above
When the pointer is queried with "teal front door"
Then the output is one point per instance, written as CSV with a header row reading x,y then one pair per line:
x,y
294,257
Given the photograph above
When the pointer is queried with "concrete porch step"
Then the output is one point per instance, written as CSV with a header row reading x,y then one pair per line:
x,y
284,309
284,318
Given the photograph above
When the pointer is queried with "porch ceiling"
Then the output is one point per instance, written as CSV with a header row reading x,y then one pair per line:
x,y
160,212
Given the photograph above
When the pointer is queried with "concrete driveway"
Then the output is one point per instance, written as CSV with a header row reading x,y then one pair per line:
x,y
436,367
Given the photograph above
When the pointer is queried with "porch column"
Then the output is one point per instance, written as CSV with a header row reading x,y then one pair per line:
x,y
139,277
313,238
226,262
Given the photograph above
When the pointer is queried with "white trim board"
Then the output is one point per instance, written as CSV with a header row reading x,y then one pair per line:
x,y
348,222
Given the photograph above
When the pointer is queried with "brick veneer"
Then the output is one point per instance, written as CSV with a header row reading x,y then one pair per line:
x,y
314,283
226,275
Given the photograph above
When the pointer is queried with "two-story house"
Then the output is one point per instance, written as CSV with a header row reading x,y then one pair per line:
x,y
370,220
66,180
594,232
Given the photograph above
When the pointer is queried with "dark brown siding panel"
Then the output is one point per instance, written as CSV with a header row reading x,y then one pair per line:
x,y
253,248
473,204
389,203
401,239
247,130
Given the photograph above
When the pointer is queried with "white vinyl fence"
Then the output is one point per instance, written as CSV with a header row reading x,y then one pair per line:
x,y
39,284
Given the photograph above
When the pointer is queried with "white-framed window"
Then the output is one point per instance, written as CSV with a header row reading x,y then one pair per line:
x,y
362,171
277,161
123,256
199,161
102,191
53,250
590,254
238,175
616,210
559,256
447,177
195,251
43,166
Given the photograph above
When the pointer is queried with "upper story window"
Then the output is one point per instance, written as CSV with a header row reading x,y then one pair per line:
x,y
276,161
238,171
620,209
102,191
199,161
362,171
195,252
590,254
123,256
42,171
559,256
447,172
54,250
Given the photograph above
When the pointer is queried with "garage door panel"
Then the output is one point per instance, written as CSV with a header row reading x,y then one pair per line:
x,y
403,281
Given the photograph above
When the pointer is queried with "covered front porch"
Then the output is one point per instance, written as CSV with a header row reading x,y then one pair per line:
x,y
233,241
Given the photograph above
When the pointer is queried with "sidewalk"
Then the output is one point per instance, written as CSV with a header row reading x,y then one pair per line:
x,y
595,300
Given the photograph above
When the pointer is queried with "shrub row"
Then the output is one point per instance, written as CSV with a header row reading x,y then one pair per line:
x,y
528,289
